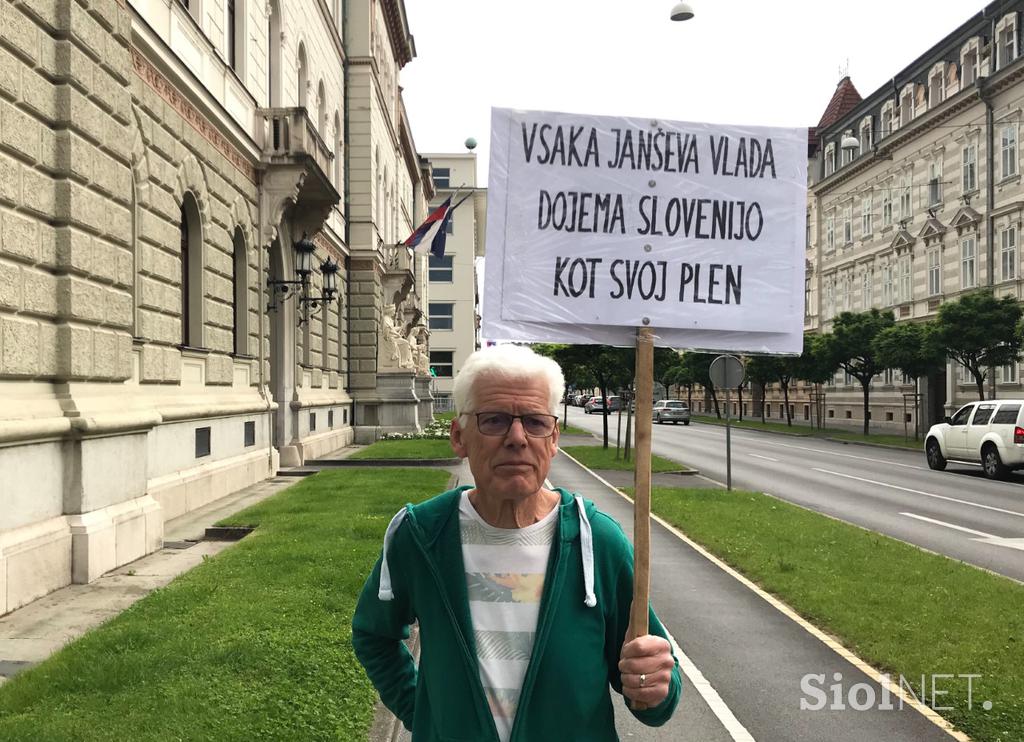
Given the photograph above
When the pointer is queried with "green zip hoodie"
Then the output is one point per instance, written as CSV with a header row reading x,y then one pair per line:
x,y
576,648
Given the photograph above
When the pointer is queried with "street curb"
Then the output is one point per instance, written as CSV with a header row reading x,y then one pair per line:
x,y
341,463
757,430
869,444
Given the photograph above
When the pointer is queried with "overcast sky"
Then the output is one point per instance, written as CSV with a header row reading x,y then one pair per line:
x,y
736,62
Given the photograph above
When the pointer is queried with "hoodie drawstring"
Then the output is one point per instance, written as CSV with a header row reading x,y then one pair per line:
x,y
384,591
587,549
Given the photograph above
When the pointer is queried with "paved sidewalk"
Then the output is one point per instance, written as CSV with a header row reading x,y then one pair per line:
x,y
33,632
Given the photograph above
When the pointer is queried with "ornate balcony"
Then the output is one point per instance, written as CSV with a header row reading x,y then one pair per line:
x,y
297,171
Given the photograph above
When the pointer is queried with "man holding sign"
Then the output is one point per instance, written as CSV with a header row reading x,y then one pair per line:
x,y
522,593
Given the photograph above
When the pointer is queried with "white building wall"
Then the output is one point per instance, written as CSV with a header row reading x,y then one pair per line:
x,y
463,246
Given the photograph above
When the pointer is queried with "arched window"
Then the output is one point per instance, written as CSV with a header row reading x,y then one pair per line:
x,y
302,81
191,273
274,52
240,283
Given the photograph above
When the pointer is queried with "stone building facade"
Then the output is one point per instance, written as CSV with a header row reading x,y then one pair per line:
x,y
159,347
927,206
390,188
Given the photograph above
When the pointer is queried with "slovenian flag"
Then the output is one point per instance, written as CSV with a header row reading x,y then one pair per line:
x,y
430,235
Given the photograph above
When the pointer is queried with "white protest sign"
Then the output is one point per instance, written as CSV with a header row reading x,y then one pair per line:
x,y
598,225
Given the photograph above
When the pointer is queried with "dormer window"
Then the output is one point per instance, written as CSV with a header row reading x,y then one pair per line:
x,y
849,153
969,63
907,105
1006,37
865,135
830,159
887,111
937,85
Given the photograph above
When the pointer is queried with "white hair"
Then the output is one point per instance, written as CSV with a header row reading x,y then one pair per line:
x,y
507,363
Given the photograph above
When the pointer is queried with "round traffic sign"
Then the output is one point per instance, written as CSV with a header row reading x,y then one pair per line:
x,y
726,372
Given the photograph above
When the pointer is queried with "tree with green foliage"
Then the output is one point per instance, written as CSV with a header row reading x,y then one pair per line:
x,y
789,370
851,347
980,332
814,366
665,359
609,367
809,366
698,367
762,371
681,376
911,347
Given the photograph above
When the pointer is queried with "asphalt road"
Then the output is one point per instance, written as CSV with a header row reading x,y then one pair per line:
x,y
957,512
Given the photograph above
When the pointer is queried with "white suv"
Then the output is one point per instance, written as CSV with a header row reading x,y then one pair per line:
x,y
989,433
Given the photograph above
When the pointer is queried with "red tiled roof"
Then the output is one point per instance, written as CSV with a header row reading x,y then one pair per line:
x,y
844,100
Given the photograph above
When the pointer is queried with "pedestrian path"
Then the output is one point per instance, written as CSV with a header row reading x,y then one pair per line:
x,y
752,655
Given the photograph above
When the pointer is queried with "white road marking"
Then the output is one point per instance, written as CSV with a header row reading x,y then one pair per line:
x,y
949,525
759,456
919,492
725,715
986,538
844,455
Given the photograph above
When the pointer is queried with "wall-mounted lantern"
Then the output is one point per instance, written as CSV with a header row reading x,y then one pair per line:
x,y
283,289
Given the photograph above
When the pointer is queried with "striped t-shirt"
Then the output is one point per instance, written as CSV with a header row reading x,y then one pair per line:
x,y
505,570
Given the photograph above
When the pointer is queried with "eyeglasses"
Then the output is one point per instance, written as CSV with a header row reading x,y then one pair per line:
x,y
499,423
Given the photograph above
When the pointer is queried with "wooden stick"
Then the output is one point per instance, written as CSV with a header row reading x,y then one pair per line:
x,y
642,486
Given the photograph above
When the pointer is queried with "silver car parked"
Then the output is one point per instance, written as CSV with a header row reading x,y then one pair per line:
x,y
672,411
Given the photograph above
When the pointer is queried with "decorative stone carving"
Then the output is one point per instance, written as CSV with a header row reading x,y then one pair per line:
x,y
394,352
422,352
398,300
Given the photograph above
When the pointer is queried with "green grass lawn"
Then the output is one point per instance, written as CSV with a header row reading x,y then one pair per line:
x,y
598,457
780,427
903,610
253,644
417,448
444,417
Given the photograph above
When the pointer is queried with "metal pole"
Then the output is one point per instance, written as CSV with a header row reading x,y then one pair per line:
x,y
728,442
618,435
